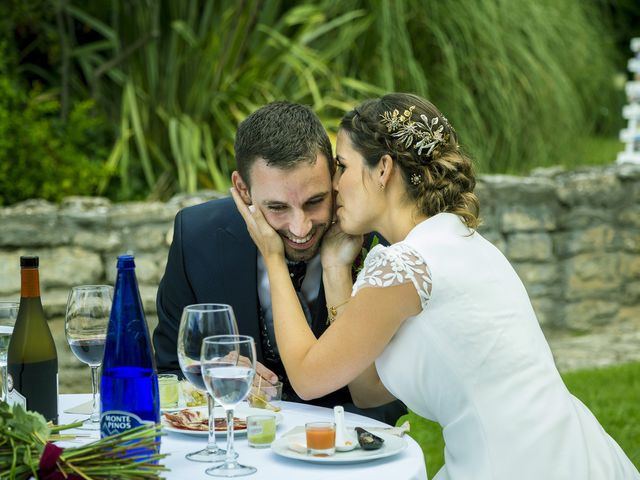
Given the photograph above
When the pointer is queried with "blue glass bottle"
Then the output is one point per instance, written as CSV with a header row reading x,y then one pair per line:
x,y
129,387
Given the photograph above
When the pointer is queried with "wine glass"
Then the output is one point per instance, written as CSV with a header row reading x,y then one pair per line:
x,y
197,322
8,316
85,325
228,365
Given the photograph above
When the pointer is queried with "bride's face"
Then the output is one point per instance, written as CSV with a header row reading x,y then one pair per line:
x,y
357,197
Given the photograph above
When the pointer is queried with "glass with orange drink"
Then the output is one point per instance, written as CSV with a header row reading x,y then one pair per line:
x,y
321,438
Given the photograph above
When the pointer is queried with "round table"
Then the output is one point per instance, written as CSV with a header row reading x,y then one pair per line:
x,y
408,464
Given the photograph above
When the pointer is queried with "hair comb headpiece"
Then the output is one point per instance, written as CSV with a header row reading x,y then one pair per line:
x,y
421,135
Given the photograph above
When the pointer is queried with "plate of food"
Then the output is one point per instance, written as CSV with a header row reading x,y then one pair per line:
x,y
371,447
194,420
265,397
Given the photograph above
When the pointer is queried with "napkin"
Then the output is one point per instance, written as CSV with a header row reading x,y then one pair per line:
x,y
83,409
397,431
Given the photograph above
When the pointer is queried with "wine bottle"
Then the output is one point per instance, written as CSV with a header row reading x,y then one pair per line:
x,y
32,360
129,386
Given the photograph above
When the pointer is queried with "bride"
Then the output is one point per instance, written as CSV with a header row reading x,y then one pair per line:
x,y
439,319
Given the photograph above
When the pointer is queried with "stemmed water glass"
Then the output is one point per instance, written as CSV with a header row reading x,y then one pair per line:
x,y
228,367
85,325
197,322
8,316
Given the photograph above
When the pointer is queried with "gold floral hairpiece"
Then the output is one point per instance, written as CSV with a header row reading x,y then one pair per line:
x,y
422,135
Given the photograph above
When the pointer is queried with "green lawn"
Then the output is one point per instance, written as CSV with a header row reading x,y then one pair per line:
x,y
612,394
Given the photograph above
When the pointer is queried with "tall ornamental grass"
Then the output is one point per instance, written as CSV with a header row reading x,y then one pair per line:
x,y
522,82
186,73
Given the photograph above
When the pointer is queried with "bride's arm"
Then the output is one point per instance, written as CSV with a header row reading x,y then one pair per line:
x,y
366,389
349,346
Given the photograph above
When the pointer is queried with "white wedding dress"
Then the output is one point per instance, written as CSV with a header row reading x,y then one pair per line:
x,y
475,361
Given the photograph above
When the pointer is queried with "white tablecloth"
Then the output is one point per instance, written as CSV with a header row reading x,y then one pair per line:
x,y
408,464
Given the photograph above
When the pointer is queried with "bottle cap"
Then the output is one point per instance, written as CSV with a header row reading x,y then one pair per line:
x,y
29,261
126,261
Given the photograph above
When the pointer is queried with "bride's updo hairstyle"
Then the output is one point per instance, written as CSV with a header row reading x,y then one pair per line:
x,y
437,175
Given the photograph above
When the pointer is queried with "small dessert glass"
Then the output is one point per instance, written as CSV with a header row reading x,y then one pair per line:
x,y
321,438
261,430
168,387
266,395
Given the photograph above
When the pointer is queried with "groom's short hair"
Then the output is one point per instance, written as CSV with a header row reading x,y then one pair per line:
x,y
284,134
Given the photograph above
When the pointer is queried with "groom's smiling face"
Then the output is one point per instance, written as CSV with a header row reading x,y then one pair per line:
x,y
297,202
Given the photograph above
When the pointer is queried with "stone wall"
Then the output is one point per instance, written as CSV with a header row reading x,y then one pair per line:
x,y
79,240
574,238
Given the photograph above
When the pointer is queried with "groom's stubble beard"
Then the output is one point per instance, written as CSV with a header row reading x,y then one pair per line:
x,y
297,255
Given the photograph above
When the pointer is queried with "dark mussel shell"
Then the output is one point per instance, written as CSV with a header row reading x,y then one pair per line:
x,y
367,440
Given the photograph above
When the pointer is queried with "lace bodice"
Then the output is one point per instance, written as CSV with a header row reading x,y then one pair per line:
x,y
395,265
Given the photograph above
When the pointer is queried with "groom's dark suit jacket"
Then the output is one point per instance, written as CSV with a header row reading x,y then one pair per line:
x,y
212,259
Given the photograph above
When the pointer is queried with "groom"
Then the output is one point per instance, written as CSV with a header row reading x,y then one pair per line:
x,y
285,164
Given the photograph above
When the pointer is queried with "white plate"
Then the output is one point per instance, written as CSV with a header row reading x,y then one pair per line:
x,y
392,446
178,408
242,411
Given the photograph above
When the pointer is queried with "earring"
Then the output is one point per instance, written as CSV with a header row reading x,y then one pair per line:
x,y
381,186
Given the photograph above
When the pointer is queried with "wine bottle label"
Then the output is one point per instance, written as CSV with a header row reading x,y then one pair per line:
x,y
117,421
13,396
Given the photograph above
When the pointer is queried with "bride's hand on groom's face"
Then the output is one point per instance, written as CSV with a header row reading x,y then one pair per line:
x,y
339,249
264,236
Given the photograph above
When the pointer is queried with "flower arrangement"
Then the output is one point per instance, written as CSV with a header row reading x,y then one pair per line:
x,y
27,450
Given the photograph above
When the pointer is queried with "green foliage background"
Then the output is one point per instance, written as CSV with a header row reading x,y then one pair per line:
x,y
135,99
40,154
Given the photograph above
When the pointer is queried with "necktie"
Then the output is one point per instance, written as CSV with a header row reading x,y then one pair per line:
x,y
297,272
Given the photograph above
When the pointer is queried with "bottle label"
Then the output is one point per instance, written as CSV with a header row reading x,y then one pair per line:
x,y
117,421
13,396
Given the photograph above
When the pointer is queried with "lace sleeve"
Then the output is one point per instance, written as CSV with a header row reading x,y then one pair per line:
x,y
395,265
